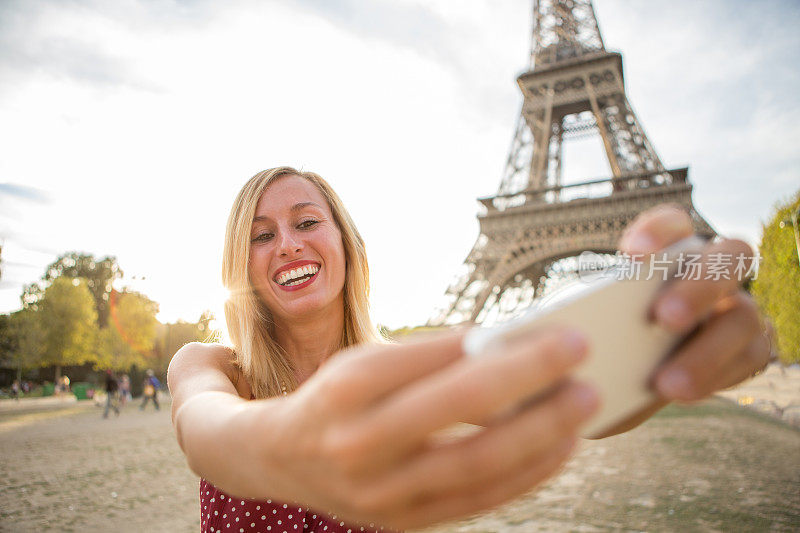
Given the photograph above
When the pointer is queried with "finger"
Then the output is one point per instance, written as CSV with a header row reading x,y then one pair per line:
x,y
693,373
656,229
470,390
755,357
360,376
494,453
491,496
688,299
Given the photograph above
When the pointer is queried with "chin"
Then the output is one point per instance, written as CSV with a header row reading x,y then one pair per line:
x,y
308,306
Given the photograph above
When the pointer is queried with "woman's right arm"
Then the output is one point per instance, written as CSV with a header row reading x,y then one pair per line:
x,y
212,422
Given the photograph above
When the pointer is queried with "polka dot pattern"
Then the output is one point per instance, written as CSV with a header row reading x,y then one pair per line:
x,y
222,514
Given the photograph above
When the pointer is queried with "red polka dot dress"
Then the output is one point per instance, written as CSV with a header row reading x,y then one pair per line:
x,y
221,513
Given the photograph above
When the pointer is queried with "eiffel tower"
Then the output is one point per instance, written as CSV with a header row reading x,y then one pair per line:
x,y
534,225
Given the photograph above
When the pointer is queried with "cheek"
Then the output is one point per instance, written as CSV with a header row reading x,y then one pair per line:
x,y
340,257
258,265
336,259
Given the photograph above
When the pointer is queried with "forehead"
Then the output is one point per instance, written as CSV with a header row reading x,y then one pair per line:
x,y
287,191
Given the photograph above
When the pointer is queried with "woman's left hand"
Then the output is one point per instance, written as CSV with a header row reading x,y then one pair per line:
x,y
731,342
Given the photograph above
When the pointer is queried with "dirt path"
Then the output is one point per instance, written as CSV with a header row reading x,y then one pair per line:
x,y
712,467
74,471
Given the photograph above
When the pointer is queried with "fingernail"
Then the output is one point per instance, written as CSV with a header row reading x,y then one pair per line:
x,y
673,313
586,398
673,384
576,344
640,243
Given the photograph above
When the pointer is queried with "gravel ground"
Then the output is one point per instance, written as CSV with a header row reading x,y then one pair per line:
x,y
711,467
72,470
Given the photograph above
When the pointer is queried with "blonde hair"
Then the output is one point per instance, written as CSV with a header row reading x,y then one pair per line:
x,y
261,359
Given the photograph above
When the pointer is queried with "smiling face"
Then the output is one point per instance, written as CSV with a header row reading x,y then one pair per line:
x,y
297,260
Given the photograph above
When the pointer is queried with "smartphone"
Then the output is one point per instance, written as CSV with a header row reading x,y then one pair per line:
x,y
613,309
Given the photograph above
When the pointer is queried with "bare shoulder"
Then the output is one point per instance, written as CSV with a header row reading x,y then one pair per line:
x,y
201,355
198,359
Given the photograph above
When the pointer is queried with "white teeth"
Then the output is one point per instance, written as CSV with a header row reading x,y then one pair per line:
x,y
293,274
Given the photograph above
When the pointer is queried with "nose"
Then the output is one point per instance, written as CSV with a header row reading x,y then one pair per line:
x,y
289,244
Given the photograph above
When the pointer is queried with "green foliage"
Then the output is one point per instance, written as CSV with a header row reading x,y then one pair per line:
x,y
31,296
113,352
68,319
172,336
6,341
98,273
73,316
22,340
133,315
777,288
130,336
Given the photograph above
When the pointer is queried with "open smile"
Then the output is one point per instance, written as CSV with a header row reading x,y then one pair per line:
x,y
296,275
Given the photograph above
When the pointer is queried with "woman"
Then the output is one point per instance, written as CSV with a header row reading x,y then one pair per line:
x,y
280,419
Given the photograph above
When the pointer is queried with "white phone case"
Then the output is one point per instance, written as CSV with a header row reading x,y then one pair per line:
x,y
625,347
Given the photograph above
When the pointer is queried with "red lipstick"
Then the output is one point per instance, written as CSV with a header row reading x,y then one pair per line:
x,y
292,266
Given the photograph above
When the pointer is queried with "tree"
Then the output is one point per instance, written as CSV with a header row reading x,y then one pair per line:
x,y
22,337
31,296
113,352
777,287
6,341
69,322
133,315
130,337
172,336
98,273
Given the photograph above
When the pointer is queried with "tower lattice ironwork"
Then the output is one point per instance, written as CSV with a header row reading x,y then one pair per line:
x,y
574,87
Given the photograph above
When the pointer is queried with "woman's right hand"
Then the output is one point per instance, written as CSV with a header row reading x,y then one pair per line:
x,y
356,438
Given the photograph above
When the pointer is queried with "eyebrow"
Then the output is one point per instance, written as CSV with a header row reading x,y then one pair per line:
x,y
295,207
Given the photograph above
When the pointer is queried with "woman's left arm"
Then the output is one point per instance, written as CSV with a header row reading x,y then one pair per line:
x,y
731,342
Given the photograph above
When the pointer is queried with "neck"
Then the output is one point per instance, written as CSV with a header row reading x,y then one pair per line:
x,y
310,340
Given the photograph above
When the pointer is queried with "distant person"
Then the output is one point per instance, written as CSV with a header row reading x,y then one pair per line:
x,y
151,386
112,394
124,390
15,390
63,383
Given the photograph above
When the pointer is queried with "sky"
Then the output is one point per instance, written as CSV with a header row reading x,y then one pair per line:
x,y
128,127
